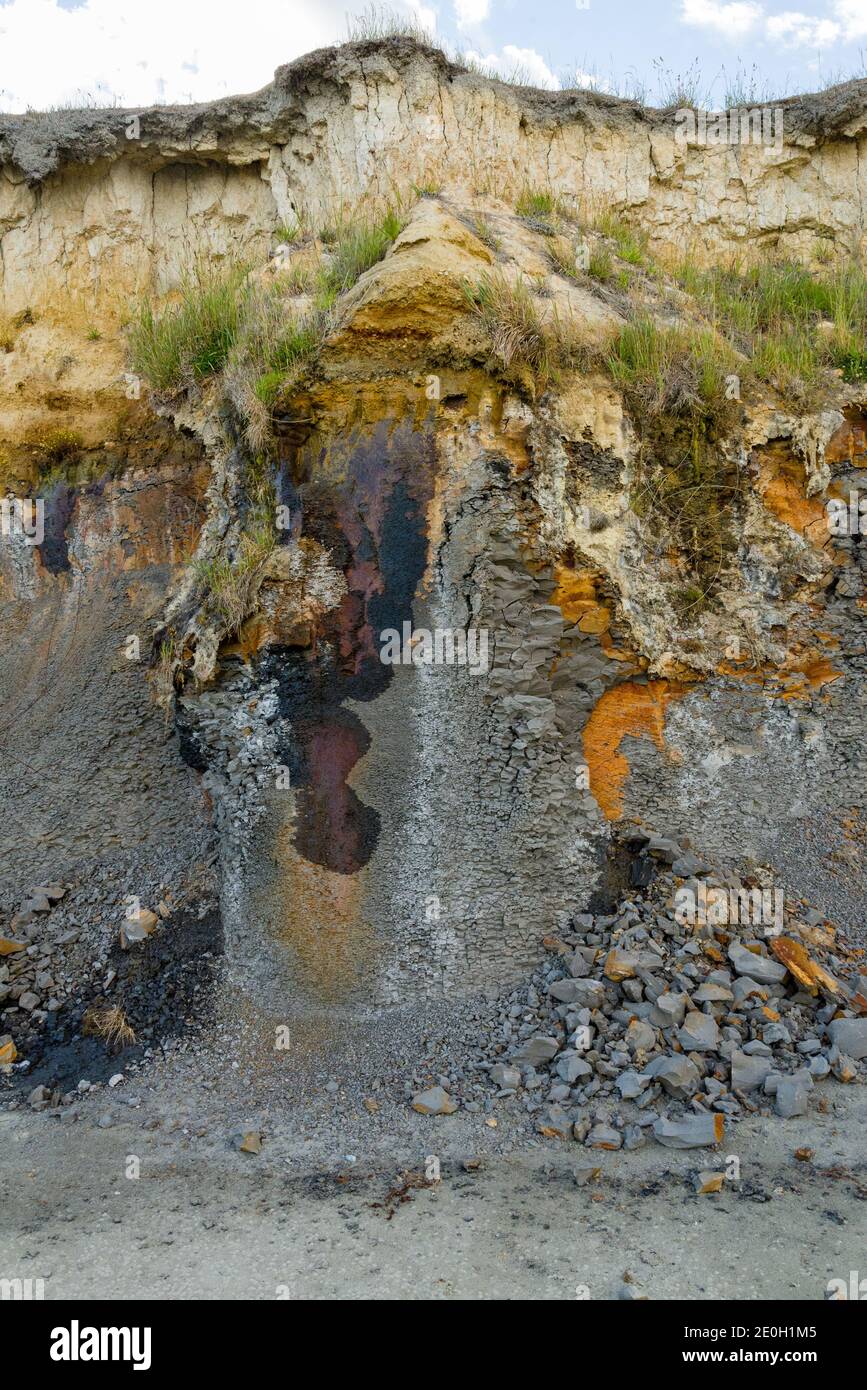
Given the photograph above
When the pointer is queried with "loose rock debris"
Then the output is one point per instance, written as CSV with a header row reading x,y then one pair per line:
x,y
643,1026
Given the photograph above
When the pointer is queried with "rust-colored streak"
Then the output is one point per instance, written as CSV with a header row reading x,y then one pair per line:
x,y
333,945
627,709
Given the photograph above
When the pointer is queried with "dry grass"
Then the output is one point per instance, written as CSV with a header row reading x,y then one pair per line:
x,y
524,340
111,1025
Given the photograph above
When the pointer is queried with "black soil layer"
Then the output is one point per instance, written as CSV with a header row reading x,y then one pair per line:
x,y
164,986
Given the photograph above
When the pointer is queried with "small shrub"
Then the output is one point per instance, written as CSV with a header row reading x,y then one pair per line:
x,y
600,265
563,258
630,243
273,345
298,278
780,314
671,370
542,210
378,22
233,585
288,236
510,316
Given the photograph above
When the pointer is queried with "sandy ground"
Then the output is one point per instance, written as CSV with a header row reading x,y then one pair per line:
x,y
205,1221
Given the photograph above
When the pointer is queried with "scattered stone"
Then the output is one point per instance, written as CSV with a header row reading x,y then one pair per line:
x,y
588,994
749,1072
844,1068
434,1101
554,1123
792,1097
604,1137
505,1077
571,1068
620,965
708,1181
678,1074
640,1037
759,968
535,1051
249,1142
668,1010
631,1085
699,1033
584,1176
850,1036
692,1132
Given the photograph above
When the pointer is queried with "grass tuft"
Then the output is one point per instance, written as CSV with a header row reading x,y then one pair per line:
x,y
677,371
521,339
111,1025
796,325
191,340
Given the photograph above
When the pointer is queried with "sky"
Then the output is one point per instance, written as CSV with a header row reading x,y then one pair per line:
x,y
137,52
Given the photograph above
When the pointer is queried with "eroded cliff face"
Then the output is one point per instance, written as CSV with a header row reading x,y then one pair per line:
x,y
386,832
100,204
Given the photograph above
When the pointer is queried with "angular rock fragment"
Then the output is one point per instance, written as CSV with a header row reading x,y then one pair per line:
x,y
535,1051
434,1101
678,1074
699,1033
758,967
850,1036
604,1137
749,1072
692,1132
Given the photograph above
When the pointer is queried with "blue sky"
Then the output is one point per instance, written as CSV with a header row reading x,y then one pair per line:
x,y
141,51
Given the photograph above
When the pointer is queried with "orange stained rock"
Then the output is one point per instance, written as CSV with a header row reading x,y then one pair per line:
x,y
849,444
797,960
575,593
595,620
628,709
786,500
800,675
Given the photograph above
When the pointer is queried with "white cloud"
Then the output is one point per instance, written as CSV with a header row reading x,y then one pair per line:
x,y
161,50
792,27
517,64
731,20
590,81
852,15
471,12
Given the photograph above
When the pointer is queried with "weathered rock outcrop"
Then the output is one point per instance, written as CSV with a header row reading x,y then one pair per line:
x,y
388,832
